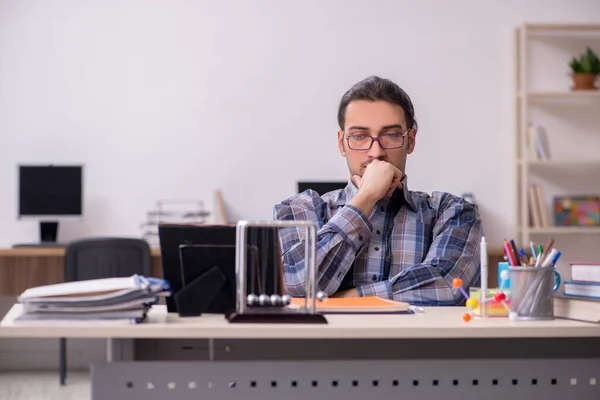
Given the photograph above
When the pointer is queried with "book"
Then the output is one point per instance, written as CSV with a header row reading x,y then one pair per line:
x,y
586,272
543,209
537,143
368,304
582,289
534,208
580,309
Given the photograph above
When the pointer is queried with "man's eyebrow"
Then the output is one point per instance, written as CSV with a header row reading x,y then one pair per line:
x,y
391,127
360,128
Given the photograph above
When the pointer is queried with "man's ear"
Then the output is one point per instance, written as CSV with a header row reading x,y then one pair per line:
x,y
412,137
340,136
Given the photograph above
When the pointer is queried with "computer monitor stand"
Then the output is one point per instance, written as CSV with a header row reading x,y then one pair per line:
x,y
48,235
48,232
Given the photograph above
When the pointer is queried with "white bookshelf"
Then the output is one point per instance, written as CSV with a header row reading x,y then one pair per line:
x,y
592,95
553,96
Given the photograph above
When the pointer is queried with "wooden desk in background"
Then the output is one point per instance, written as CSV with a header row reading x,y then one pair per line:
x,y
25,267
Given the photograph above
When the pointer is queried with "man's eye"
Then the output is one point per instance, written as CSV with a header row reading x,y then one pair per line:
x,y
393,136
359,137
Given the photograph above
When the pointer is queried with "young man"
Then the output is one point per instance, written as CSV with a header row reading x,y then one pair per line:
x,y
376,237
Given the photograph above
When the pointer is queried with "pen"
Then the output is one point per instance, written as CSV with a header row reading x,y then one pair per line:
x,y
509,254
533,253
516,253
484,276
523,257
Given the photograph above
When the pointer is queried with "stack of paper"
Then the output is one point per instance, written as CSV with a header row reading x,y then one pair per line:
x,y
127,299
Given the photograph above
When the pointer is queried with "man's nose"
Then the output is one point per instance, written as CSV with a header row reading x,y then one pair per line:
x,y
376,151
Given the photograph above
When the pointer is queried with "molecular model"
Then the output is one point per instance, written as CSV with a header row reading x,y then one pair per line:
x,y
472,302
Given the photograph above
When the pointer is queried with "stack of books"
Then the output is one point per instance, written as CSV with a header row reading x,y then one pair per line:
x,y
581,298
125,299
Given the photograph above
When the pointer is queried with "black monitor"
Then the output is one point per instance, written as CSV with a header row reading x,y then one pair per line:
x,y
321,187
49,193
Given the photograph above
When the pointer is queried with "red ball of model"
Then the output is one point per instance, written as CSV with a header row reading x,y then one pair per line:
x,y
499,296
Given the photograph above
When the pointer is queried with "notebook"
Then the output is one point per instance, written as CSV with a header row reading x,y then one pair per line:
x,y
357,305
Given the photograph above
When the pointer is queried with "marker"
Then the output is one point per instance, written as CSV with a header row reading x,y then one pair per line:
x,y
533,252
484,276
548,260
556,257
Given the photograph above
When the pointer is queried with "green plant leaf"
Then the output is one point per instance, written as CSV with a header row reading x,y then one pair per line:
x,y
586,64
594,61
575,66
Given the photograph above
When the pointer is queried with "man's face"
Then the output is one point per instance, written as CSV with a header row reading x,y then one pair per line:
x,y
374,118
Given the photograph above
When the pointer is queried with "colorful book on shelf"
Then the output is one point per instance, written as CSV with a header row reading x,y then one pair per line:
x,y
585,272
577,210
368,304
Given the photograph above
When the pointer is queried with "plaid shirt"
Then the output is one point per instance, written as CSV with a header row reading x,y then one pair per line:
x,y
409,249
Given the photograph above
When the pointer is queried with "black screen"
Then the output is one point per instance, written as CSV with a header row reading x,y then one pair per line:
x,y
321,187
50,190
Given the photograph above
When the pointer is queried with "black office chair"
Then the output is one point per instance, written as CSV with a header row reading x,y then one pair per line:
x,y
96,258
321,187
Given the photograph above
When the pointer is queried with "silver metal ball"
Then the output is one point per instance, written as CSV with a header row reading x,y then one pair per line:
x,y
286,299
322,296
252,300
275,300
263,299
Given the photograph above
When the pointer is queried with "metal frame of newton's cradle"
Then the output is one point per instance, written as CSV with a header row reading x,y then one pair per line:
x,y
306,314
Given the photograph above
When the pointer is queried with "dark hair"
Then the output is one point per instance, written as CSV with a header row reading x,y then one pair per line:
x,y
375,88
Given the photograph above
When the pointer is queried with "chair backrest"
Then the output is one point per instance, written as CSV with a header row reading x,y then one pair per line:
x,y
96,258
321,187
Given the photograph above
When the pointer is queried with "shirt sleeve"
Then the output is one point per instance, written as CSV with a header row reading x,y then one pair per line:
x,y
339,240
454,253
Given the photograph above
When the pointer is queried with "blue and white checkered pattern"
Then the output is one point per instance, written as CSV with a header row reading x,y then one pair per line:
x,y
409,249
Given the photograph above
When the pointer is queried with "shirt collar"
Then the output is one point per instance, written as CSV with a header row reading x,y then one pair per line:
x,y
350,191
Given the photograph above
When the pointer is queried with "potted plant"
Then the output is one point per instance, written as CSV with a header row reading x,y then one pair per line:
x,y
585,70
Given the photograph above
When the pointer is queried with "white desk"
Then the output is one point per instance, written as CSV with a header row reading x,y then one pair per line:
x,y
423,356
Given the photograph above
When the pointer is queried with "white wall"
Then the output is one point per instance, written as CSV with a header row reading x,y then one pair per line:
x,y
174,99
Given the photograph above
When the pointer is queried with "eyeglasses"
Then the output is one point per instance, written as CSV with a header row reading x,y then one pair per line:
x,y
387,141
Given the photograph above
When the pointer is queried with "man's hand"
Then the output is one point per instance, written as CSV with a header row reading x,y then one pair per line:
x,y
347,293
379,180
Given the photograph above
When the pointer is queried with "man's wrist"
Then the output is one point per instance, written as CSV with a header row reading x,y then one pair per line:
x,y
364,201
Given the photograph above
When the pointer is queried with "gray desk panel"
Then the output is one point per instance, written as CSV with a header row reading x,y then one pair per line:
x,y
368,379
